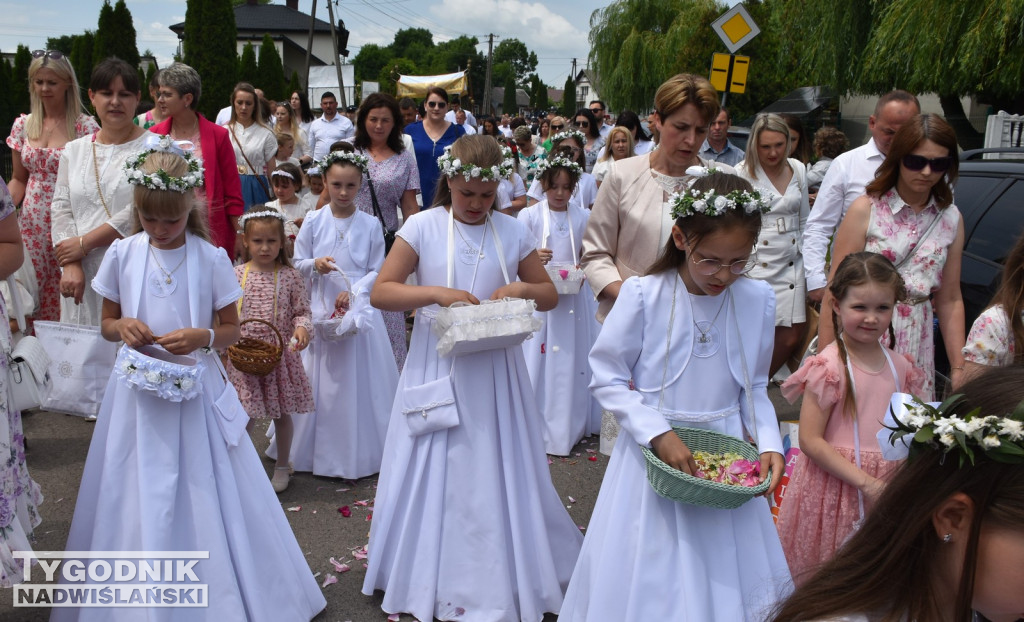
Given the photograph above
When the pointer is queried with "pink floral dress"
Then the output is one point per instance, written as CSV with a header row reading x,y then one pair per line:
x,y
34,218
895,231
991,340
286,390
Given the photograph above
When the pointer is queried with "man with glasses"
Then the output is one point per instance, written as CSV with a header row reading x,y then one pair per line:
x,y
454,107
845,181
717,147
597,107
330,128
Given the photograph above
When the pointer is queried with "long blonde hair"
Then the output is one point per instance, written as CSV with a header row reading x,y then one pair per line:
x,y
72,96
618,129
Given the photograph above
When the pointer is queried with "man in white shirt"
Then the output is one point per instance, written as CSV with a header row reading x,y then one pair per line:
x,y
330,128
597,107
845,181
504,128
453,109
716,146
460,119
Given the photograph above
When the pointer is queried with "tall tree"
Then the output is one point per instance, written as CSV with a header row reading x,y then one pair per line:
x,y
106,32
412,43
293,84
19,78
520,59
62,43
270,76
210,35
81,56
569,98
388,77
248,71
635,45
122,44
7,111
370,60
461,54
509,105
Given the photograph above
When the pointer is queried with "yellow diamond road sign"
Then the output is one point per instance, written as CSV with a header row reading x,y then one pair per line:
x,y
735,27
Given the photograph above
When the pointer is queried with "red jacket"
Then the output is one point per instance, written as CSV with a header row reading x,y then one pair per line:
x,y
221,182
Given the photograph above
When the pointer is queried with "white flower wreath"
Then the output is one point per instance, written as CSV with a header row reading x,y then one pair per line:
x,y
570,133
361,161
559,161
160,179
262,214
709,203
452,167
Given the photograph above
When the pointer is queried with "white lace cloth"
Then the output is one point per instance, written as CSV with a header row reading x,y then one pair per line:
x,y
152,370
492,324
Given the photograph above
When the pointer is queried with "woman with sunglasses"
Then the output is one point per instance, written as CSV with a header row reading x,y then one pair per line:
x,y
37,140
586,122
429,139
557,126
907,214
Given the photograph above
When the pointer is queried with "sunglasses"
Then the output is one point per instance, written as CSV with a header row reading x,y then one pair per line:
x,y
583,124
51,54
917,163
437,104
597,110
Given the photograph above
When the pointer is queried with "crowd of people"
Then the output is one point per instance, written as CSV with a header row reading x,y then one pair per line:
x,y
671,277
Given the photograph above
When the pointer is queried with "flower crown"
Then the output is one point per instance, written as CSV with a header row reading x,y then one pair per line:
x,y
1001,438
453,167
570,133
360,161
263,214
559,161
160,179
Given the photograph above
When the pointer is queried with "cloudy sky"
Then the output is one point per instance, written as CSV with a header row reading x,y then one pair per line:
x,y
555,34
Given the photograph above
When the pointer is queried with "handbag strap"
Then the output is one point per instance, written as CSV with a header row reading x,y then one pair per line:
x,y
19,313
920,242
259,178
376,205
568,221
245,276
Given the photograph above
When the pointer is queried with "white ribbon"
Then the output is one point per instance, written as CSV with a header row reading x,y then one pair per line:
x,y
164,143
898,411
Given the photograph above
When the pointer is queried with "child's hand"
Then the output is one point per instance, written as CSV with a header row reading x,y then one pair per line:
x,y
300,339
512,290
134,332
872,488
545,255
184,340
342,301
777,464
298,222
448,296
674,452
324,265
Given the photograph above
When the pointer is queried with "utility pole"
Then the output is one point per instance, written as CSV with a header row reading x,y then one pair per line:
x,y
574,70
309,47
343,104
487,80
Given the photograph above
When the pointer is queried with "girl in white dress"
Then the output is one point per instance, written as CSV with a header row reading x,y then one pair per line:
x,y
585,192
557,354
467,525
287,181
339,250
170,467
687,345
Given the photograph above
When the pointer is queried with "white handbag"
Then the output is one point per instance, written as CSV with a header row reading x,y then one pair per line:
x,y
81,364
493,324
430,407
28,364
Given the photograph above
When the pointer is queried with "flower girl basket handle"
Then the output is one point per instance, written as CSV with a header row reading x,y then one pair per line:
x,y
572,235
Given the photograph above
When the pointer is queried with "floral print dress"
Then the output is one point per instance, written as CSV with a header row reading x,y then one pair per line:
x,y
34,219
991,340
895,231
19,495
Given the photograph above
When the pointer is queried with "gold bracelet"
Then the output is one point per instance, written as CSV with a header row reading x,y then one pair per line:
x,y
961,368
81,245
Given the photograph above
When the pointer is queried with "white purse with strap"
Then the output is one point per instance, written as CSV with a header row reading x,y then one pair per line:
x,y
28,376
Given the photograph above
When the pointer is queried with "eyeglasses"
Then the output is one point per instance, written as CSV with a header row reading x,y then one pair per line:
x,y
436,104
597,110
583,123
709,267
917,163
558,128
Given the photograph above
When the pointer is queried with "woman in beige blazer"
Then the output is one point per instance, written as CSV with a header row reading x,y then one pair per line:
x,y
631,220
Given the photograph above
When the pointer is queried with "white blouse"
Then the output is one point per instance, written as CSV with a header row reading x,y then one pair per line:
x,y
259,144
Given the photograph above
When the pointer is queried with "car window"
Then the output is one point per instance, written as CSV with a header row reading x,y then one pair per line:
x,y
995,233
973,193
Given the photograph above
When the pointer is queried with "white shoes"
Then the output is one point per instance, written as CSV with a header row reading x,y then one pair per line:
x,y
282,476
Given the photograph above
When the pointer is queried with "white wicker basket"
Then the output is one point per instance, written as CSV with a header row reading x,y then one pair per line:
x,y
464,328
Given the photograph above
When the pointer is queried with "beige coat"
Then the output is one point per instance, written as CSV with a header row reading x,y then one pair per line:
x,y
626,233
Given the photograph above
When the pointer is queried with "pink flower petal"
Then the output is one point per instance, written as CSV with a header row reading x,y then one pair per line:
x,y
564,274
571,500
359,553
295,508
345,511
369,517
592,458
331,579
364,502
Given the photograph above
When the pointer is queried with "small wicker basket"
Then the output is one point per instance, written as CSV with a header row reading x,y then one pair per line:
x,y
253,356
678,486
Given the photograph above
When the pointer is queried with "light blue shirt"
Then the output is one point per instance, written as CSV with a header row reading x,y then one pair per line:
x,y
731,155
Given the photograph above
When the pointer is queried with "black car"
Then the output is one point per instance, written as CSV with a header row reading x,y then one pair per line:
x,y
990,196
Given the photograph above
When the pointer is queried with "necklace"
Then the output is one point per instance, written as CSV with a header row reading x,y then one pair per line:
x,y
707,340
168,276
470,248
96,169
564,225
341,232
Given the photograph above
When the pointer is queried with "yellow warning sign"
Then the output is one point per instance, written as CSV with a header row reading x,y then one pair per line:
x,y
729,73
735,28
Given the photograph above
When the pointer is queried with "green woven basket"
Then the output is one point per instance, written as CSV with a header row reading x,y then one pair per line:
x,y
678,486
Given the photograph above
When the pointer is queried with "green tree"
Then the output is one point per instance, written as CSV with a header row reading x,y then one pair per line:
x,y
461,54
569,98
7,111
370,60
293,84
105,33
248,71
210,35
521,60
62,43
388,76
122,44
509,105
270,76
542,97
19,79
81,56
412,43
538,93
635,45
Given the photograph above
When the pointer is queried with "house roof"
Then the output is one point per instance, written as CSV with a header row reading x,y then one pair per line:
x,y
555,95
498,96
269,18
588,74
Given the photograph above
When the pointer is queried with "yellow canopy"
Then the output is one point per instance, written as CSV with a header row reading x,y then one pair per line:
x,y
416,86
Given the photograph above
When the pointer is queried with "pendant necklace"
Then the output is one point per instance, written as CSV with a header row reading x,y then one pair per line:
x,y
168,278
707,339
471,249
341,232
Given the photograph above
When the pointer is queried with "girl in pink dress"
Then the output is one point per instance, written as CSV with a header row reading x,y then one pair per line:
x,y
846,391
274,291
37,140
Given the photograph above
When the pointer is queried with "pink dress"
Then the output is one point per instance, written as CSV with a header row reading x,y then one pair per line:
x,y
819,510
34,217
286,390
894,231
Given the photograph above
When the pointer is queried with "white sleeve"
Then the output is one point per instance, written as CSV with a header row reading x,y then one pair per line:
x,y
62,223
226,289
303,251
518,187
536,192
827,212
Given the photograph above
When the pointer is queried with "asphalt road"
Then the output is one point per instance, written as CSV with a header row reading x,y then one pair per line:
x,y
56,455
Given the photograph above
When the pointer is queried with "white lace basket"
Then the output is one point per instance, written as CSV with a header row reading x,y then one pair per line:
x,y
568,279
464,328
155,370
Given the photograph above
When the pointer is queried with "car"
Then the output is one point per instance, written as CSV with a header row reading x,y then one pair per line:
x,y
989,192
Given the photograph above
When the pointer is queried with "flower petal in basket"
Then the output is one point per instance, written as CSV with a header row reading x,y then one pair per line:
x,y
493,324
678,486
568,279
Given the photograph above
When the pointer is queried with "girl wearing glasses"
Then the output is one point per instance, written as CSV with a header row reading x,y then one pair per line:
x,y
907,215
688,344
37,141
779,262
